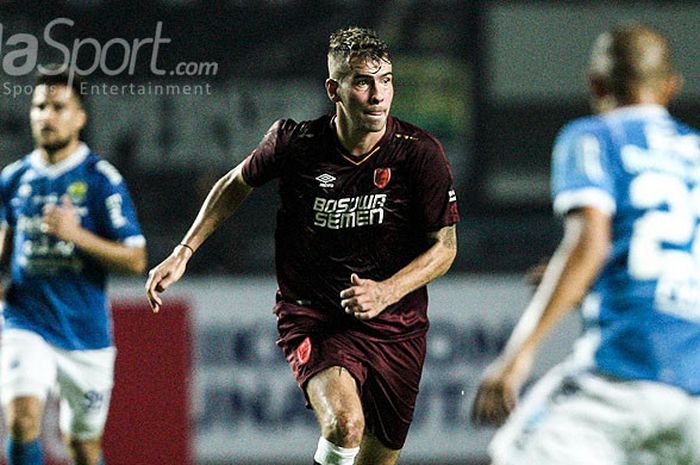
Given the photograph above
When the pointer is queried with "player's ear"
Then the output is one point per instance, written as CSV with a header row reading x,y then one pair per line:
x,y
82,118
672,85
597,86
332,90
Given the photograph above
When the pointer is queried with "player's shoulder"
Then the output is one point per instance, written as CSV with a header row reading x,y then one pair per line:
x,y
587,125
414,138
15,169
685,129
102,170
291,130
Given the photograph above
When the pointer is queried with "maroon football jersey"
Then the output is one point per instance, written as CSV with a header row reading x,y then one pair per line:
x,y
340,215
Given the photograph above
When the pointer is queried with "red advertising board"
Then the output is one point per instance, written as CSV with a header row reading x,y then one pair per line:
x,y
149,419
149,422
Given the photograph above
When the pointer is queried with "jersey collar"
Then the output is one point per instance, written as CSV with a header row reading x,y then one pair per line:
x,y
53,171
363,158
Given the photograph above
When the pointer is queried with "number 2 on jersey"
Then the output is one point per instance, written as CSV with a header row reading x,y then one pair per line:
x,y
672,219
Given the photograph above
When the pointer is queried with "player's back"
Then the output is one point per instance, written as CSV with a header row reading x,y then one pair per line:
x,y
643,167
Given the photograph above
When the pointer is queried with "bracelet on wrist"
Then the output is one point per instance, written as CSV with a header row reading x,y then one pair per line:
x,y
182,244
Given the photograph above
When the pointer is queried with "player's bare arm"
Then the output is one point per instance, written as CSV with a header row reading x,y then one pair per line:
x,y
225,197
569,274
5,245
366,298
62,221
5,254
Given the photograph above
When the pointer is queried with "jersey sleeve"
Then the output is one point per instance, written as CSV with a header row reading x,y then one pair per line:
x,y
266,161
114,210
435,196
581,171
8,181
5,213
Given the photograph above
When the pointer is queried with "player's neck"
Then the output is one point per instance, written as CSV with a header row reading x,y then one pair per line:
x,y
639,96
357,143
56,156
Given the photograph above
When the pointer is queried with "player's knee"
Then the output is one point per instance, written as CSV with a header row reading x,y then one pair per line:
x,y
85,452
24,427
346,428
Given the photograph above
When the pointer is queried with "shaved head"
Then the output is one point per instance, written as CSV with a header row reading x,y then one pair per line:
x,y
629,58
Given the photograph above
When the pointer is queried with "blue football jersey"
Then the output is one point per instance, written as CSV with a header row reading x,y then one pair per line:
x,y
56,290
642,167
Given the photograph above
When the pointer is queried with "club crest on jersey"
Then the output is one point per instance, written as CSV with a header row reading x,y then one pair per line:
x,y
303,351
325,180
382,177
77,191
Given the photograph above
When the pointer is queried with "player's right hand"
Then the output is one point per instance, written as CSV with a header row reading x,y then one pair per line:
x,y
162,276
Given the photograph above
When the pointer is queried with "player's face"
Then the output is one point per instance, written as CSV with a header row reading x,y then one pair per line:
x,y
56,117
365,95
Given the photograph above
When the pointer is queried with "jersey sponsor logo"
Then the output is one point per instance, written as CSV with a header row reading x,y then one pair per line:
x,y
25,190
349,212
382,176
325,180
303,352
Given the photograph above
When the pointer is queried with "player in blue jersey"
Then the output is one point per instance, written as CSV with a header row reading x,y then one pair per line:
x,y
627,181
67,220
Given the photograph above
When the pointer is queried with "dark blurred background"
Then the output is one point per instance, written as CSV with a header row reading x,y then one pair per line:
x,y
493,80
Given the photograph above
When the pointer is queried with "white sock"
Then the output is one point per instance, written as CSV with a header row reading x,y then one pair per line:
x,y
328,453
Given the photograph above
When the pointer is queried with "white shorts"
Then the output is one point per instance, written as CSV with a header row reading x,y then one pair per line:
x,y
83,379
579,418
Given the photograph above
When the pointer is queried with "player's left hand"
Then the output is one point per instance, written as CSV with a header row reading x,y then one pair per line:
x,y
62,220
498,391
365,299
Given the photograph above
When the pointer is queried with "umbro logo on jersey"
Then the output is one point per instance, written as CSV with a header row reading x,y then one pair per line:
x,y
452,196
325,180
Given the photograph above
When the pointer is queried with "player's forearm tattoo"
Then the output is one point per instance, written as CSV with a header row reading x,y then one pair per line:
x,y
448,237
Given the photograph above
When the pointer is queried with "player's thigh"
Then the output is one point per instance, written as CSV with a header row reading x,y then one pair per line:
x,y
574,420
85,382
27,366
332,392
691,429
373,452
390,391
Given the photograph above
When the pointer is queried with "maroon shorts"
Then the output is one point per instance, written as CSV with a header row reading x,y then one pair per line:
x,y
387,373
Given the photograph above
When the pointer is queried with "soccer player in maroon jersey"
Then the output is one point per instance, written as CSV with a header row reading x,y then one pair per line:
x,y
367,219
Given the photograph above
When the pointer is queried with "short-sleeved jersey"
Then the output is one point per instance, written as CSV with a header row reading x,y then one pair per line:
x,y
642,167
56,290
339,215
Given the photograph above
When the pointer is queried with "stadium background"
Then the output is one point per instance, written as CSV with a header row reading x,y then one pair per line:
x,y
203,383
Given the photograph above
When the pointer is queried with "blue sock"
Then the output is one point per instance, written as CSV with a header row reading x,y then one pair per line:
x,y
29,453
